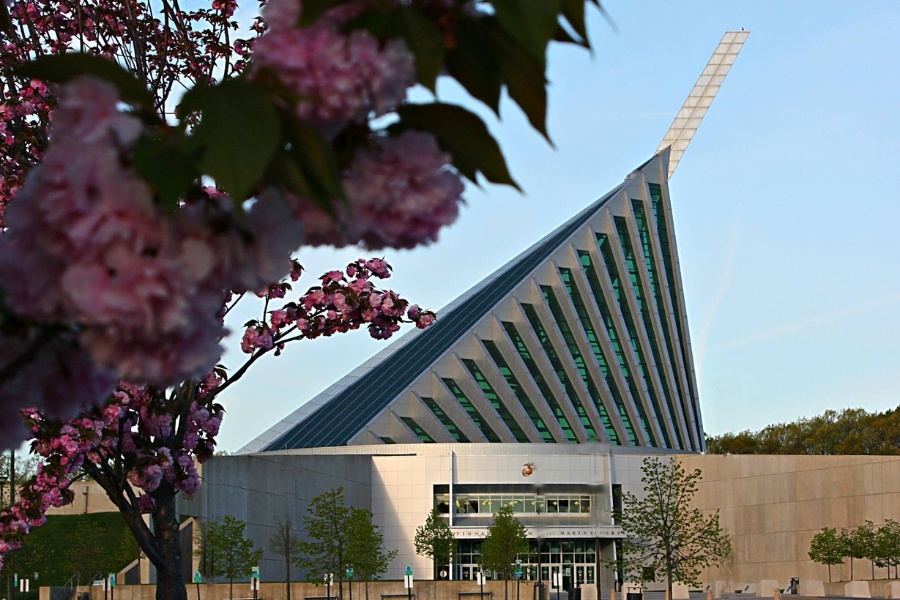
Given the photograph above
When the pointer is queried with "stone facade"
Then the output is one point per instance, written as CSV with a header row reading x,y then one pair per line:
x,y
773,505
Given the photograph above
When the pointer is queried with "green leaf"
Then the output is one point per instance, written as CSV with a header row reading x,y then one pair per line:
x,y
531,22
374,22
461,133
63,68
472,61
285,171
192,101
238,134
562,35
524,78
573,11
167,167
317,164
313,9
425,40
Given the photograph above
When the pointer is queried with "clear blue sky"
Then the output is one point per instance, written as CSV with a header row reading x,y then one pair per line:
x,y
786,206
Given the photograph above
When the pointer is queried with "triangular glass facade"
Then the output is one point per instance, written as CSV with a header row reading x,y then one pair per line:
x,y
582,338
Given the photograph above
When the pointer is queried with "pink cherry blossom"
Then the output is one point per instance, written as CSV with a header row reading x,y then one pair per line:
x,y
400,193
338,78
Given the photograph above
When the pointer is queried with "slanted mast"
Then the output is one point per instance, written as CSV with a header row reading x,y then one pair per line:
x,y
699,100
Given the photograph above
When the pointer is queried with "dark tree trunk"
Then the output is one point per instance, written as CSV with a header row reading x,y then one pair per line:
x,y
161,544
669,576
287,570
169,576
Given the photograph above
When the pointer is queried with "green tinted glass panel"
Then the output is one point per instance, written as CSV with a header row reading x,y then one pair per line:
x,y
640,221
580,364
417,429
593,341
445,420
606,314
632,268
553,357
662,231
495,401
471,410
539,380
521,396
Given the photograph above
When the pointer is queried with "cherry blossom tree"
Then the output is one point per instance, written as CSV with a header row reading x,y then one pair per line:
x,y
119,260
144,444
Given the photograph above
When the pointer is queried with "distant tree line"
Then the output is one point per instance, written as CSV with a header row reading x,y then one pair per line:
x,y
850,431
879,545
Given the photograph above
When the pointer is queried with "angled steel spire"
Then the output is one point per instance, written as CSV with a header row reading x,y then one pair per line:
x,y
698,101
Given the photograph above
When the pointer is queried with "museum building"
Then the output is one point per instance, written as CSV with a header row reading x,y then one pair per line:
x,y
544,387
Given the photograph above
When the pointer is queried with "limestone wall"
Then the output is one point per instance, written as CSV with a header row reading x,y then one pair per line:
x,y
773,505
89,498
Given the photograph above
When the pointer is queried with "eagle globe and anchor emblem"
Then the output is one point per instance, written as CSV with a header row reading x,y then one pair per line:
x,y
527,469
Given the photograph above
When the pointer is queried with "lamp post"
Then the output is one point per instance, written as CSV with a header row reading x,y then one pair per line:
x,y
539,509
481,580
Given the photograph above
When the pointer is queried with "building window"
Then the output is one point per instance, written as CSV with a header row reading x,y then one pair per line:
x,y
471,410
600,300
417,429
631,267
539,380
495,401
580,364
662,230
594,343
445,420
640,220
553,357
522,504
524,400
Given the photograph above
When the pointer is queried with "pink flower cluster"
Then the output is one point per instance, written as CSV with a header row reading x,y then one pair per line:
x,y
20,136
88,245
400,194
338,78
400,191
345,301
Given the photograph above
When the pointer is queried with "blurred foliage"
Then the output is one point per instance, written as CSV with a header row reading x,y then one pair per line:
x,y
850,431
69,544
